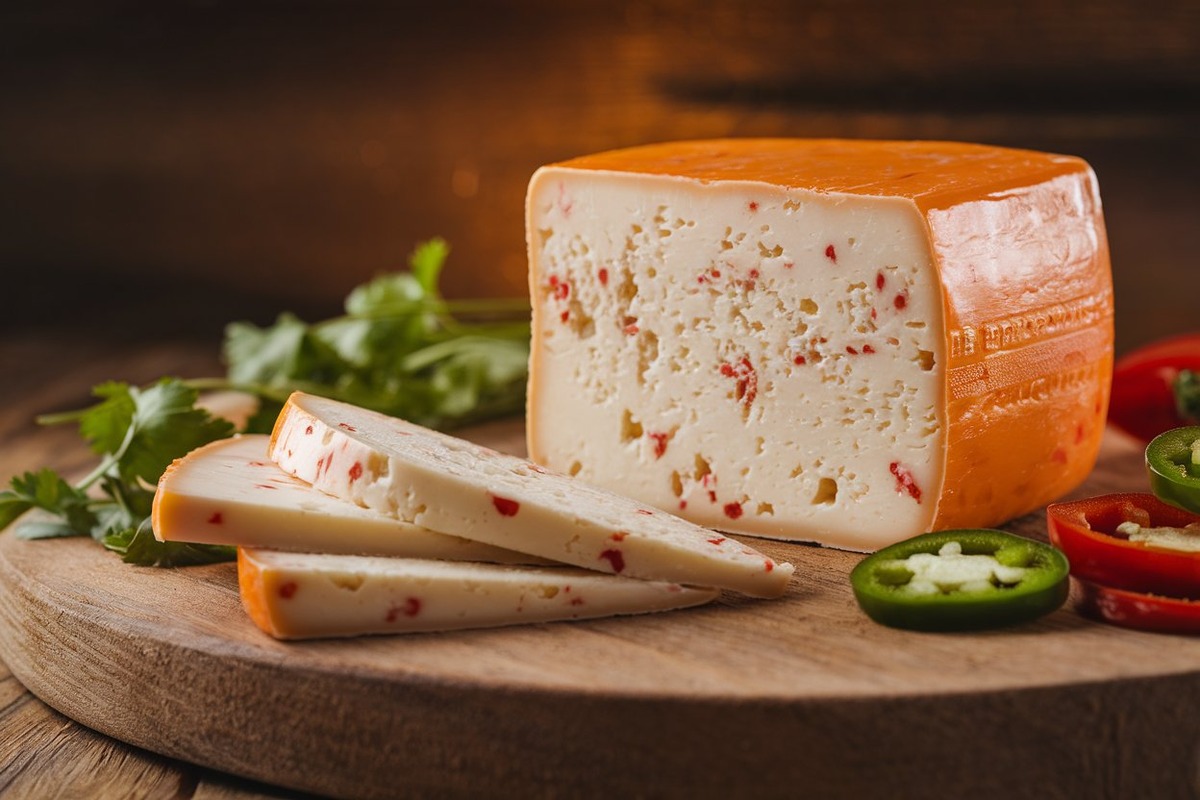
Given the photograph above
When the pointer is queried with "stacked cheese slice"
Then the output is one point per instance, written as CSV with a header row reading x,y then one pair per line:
x,y
351,522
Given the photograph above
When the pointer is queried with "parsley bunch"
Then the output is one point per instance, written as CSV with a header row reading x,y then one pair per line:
x,y
400,348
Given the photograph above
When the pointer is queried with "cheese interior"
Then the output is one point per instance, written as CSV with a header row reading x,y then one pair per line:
x,y
750,357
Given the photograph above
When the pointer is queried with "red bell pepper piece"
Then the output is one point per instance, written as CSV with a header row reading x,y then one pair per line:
x,y
1144,401
1145,612
1086,531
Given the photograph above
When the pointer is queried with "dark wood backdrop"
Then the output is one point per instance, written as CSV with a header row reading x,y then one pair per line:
x,y
177,166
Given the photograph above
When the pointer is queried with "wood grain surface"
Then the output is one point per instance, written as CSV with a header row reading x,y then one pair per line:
x,y
797,697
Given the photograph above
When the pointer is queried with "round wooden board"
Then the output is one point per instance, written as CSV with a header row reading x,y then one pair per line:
x,y
795,697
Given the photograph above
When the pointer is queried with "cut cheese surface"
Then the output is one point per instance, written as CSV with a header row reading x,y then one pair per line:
x,y
306,595
848,342
230,492
451,485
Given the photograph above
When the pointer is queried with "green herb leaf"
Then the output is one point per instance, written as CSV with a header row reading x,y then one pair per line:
x,y
46,490
137,545
399,350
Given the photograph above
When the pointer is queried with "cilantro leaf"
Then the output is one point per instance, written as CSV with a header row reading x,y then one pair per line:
x,y
166,425
137,545
46,490
399,349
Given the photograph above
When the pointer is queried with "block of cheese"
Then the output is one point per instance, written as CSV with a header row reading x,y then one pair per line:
x,y
847,342
230,492
306,595
451,485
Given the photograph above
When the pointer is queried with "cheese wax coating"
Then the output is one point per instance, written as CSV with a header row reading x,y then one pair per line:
x,y
847,342
307,595
453,486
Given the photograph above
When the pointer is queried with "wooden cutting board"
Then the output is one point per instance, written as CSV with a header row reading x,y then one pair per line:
x,y
799,696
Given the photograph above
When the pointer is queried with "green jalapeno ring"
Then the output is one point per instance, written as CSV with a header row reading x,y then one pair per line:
x,y
880,583
1173,464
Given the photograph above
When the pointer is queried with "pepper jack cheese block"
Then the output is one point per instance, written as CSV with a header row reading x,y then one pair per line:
x,y
304,595
849,342
229,492
450,485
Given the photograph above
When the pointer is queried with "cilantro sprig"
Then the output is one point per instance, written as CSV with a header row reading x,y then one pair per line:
x,y
137,433
400,348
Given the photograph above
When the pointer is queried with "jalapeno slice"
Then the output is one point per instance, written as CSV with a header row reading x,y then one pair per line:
x,y
961,580
1173,462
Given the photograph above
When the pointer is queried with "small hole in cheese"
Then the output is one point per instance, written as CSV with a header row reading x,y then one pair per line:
x,y
827,490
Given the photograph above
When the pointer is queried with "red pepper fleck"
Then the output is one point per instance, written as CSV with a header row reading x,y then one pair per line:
x,y
287,590
258,463
559,288
411,607
660,443
350,428
712,496
506,507
800,361
718,541
716,273
851,350
216,518
753,274
753,205
682,504
905,481
356,471
901,301
631,329
564,316
874,313
565,204
769,565
747,379
645,511
1059,456
788,265
619,536
576,601
868,349
603,276
733,510
1079,433
831,254
615,559
308,431
879,281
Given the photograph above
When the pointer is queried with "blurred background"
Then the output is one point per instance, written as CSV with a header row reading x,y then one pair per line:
x,y
166,168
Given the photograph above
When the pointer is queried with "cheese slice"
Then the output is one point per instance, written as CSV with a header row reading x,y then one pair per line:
x,y
229,492
451,485
847,342
305,595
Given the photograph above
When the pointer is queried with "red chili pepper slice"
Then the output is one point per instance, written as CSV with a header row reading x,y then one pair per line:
x,y
1144,402
1145,612
1086,530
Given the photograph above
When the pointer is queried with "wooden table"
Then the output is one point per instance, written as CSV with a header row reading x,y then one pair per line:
x,y
1101,736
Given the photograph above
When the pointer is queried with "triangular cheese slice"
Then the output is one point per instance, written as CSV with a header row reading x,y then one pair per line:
x,y
453,486
304,595
229,492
